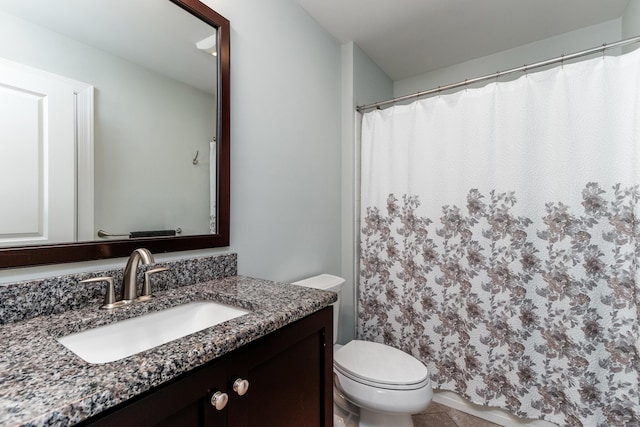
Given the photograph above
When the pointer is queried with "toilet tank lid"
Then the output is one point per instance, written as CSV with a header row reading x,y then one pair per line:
x,y
326,282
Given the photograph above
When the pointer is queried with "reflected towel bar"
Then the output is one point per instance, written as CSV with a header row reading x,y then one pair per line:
x,y
138,234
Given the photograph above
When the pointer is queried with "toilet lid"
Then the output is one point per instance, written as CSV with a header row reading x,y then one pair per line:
x,y
371,362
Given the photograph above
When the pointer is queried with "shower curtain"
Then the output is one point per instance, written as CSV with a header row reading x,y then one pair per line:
x,y
499,240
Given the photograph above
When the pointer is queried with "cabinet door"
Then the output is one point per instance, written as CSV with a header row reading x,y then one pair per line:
x,y
289,374
181,403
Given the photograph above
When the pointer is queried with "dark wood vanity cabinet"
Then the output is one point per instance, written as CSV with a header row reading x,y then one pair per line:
x,y
290,378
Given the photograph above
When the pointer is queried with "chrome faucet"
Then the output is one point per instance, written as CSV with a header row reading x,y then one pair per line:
x,y
129,285
129,282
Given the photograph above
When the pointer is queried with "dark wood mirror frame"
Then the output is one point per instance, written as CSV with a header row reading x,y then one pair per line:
x,y
22,256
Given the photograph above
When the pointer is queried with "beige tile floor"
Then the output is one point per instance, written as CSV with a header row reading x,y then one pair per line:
x,y
442,416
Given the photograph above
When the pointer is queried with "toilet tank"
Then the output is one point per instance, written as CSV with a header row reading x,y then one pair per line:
x,y
326,282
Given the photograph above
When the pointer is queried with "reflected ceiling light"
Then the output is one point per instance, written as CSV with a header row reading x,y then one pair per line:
x,y
208,45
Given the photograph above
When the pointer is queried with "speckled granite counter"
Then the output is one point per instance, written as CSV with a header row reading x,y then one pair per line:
x,y
42,383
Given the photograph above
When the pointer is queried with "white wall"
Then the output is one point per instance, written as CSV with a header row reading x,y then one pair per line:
x,y
570,42
285,146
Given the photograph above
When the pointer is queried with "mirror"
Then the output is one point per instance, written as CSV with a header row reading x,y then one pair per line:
x,y
157,157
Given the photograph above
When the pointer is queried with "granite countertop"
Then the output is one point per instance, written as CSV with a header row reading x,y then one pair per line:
x,y
42,383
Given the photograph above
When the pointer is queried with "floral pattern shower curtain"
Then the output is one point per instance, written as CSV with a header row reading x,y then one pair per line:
x,y
499,240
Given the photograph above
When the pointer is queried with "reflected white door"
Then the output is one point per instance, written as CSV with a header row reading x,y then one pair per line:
x,y
38,163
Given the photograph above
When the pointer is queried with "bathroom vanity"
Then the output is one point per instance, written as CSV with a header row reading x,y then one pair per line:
x,y
282,348
287,386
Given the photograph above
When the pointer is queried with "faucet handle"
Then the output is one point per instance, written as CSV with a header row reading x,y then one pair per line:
x,y
146,287
110,295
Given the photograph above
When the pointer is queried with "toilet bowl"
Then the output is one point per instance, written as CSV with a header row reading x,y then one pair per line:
x,y
375,385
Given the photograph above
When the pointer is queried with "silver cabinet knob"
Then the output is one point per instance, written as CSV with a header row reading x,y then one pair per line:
x,y
219,400
240,386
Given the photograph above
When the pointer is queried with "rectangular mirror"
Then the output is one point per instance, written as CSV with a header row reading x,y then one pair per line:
x,y
115,129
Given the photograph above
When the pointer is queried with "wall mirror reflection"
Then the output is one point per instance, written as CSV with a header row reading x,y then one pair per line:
x,y
110,124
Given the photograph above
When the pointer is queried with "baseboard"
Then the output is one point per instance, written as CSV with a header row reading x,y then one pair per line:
x,y
494,415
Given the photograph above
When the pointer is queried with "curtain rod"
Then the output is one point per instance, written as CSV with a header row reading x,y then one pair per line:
x,y
524,68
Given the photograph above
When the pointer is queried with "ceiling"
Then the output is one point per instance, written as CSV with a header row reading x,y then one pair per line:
x,y
410,37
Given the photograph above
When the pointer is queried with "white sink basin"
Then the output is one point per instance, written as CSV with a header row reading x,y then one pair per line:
x,y
127,337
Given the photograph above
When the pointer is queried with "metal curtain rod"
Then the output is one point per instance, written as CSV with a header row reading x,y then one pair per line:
x,y
524,68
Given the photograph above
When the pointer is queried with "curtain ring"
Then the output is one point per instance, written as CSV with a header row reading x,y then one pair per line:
x,y
562,60
604,48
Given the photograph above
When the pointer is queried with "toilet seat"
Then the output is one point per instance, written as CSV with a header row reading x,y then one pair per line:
x,y
380,366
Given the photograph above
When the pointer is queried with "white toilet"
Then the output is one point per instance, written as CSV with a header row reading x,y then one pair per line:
x,y
381,384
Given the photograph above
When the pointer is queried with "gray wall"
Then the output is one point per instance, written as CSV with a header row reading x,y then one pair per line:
x,y
285,136
371,84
